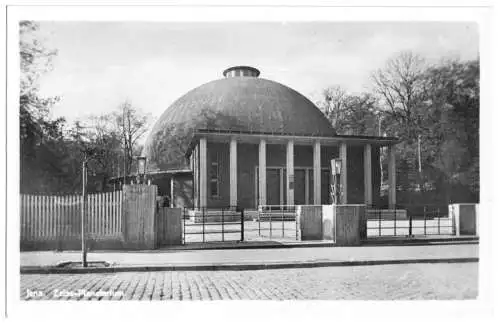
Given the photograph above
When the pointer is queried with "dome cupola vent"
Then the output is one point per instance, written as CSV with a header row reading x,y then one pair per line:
x,y
241,71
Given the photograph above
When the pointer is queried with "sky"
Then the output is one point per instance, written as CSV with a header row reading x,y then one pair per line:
x,y
101,64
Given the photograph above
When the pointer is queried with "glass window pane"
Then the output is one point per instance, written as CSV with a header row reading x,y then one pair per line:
x,y
214,189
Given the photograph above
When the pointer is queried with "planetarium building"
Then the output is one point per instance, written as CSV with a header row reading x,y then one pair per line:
x,y
245,141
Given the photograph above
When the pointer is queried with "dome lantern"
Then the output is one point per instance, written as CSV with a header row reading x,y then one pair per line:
x,y
241,71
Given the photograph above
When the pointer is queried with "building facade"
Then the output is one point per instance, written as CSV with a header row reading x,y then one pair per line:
x,y
265,144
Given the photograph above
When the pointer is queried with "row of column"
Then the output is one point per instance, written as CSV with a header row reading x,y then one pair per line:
x,y
290,194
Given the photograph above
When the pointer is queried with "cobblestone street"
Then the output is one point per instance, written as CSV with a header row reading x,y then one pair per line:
x,y
405,281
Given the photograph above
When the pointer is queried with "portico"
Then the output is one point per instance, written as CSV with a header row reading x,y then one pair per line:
x,y
248,169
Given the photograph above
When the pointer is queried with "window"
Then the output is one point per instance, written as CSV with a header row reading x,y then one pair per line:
x,y
214,179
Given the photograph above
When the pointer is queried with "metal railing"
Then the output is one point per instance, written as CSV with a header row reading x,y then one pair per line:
x,y
282,216
409,220
212,224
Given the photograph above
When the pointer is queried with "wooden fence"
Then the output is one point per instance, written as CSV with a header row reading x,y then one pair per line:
x,y
58,218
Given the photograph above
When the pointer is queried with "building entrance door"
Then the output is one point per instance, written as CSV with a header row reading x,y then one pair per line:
x,y
273,186
300,186
276,186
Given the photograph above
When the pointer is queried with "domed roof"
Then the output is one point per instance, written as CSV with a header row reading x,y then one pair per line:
x,y
258,105
244,102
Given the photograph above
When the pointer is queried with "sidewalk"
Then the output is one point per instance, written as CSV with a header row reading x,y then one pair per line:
x,y
250,258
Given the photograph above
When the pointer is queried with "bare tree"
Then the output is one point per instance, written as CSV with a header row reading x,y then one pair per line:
x,y
117,135
349,113
334,104
400,86
103,134
132,124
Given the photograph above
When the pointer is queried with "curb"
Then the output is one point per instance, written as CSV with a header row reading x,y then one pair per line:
x,y
312,245
240,267
418,243
365,242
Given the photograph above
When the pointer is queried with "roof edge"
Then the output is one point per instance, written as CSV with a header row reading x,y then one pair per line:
x,y
199,132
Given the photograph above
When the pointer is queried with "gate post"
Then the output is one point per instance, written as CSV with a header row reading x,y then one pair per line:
x,y
411,225
363,224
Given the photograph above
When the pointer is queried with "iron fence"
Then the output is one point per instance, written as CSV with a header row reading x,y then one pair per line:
x,y
409,220
212,225
278,221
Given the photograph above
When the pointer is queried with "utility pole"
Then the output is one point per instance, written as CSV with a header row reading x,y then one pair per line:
x,y
419,163
419,157
380,151
124,149
84,203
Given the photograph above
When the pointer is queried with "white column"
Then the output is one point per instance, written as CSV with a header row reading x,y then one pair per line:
x,y
262,172
317,172
233,173
203,173
290,181
392,177
343,173
368,174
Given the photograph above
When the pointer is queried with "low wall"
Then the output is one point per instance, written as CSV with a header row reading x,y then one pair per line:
x,y
465,218
168,227
348,219
311,222
344,225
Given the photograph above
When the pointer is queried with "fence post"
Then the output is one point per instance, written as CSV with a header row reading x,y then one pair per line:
x,y
395,221
59,229
100,215
114,224
49,217
425,220
439,222
43,205
411,225
222,224
242,225
379,222
283,223
271,224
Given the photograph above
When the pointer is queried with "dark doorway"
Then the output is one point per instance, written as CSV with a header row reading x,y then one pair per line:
x,y
273,186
